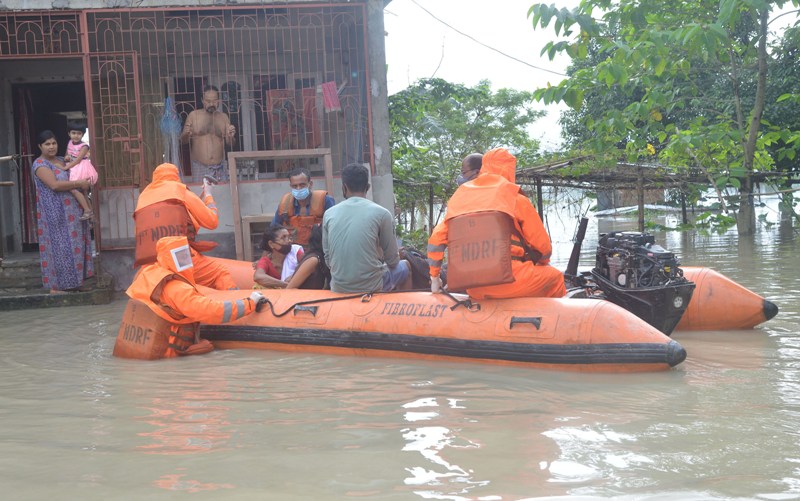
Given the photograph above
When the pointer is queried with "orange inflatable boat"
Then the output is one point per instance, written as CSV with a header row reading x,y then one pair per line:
x,y
565,334
719,303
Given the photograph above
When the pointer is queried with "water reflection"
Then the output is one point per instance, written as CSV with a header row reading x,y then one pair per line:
x,y
78,423
432,442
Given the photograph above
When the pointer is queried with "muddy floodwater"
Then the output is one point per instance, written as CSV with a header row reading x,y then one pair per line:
x,y
76,423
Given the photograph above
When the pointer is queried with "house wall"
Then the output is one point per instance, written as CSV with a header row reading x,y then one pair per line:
x,y
118,199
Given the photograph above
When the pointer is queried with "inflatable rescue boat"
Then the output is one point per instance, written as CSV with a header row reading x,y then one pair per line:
x,y
720,304
634,272
563,334
717,303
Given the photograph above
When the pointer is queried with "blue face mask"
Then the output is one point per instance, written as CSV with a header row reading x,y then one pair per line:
x,y
301,194
461,179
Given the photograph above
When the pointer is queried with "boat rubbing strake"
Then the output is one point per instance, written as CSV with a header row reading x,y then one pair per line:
x,y
538,332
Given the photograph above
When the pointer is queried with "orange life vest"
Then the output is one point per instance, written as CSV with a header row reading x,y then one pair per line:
x,y
479,253
480,225
181,331
142,334
163,219
298,224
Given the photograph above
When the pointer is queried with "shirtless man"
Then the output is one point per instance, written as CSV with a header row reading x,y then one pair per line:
x,y
207,131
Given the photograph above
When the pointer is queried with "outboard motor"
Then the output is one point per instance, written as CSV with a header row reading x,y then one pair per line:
x,y
631,260
642,277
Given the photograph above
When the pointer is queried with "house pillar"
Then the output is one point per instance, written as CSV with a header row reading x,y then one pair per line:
x,y
382,185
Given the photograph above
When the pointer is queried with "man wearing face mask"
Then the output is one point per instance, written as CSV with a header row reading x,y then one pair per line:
x,y
168,289
208,131
497,245
303,207
470,168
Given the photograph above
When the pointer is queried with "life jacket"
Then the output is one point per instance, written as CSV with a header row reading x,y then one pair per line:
x,y
163,219
147,289
298,224
178,330
143,335
480,225
160,212
479,253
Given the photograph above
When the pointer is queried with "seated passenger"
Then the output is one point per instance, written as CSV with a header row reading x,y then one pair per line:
x,y
485,265
279,260
312,272
302,207
359,241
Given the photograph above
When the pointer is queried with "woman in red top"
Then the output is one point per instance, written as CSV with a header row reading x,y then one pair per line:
x,y
279,259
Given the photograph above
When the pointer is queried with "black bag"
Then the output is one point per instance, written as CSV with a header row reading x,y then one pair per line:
x,y
420,271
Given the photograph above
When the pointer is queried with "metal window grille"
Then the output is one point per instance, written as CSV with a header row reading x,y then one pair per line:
x,y
270,65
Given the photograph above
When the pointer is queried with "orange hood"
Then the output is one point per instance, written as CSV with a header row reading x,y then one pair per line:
x,y
166,185
500,162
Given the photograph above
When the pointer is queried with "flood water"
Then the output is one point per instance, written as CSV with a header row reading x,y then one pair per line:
x,y
77,423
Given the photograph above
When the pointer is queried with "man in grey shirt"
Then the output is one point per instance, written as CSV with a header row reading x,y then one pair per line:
x,y
359,241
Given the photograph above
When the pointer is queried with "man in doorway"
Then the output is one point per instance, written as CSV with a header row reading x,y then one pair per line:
x,y
303,207
359,241
208,131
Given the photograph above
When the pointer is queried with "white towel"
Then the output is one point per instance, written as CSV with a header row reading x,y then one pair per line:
x,y
290,262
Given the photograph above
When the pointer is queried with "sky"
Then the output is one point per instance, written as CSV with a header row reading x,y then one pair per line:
x,y
420,46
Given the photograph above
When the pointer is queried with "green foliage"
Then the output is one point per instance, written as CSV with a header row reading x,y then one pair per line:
x,y
435,123
715,222
417,239
677,83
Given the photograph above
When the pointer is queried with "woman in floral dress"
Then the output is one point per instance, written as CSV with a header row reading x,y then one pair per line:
x,y
65,246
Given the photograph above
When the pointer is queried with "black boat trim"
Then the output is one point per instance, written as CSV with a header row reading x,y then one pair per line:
x,y
670,353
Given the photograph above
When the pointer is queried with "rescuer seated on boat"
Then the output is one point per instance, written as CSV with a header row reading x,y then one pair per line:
x,y
359,241
279,259
303,207
496,244
167,287
166,207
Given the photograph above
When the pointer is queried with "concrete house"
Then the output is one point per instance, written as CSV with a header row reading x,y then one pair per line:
x,y
303,82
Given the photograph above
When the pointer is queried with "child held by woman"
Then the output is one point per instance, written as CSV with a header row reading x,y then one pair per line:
x,y
79,165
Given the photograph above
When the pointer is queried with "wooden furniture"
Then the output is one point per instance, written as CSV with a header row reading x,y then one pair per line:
x,y
247,235
238,218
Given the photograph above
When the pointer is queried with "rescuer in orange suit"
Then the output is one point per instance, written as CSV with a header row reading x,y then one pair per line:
x,y
167,207
169,290
494,190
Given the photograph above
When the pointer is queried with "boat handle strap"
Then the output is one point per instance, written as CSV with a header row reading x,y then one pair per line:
x,y
535,321
310,309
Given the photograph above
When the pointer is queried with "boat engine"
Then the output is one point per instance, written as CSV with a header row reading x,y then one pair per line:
x,y
639,275
631,260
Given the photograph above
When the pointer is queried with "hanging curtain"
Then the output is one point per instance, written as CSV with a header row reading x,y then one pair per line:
x,y
29,152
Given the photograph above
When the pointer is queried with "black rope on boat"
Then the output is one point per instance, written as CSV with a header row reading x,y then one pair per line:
x,y
467,303
365,298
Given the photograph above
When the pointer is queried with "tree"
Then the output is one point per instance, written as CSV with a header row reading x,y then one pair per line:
x,y
783,108
435,123
690,80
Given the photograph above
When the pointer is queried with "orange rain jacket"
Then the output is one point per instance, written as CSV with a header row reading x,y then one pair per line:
x,y
173,296
494,190
166,192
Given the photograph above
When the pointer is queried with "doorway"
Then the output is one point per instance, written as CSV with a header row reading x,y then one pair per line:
x,y
37,107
